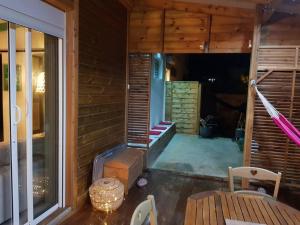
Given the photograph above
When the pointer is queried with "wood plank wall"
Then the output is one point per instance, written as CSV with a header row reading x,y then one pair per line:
x,y
282,29
146,31
278,52
231,34
102,81
184,105
139,99
186,32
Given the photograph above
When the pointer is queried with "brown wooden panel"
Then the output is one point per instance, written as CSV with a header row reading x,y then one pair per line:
x,y
183,105
185,32
282,29
231,34
139,98
102,81
145,31
271,149
272,58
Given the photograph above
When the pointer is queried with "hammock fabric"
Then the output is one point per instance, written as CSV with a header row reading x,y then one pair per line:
x,y
291,131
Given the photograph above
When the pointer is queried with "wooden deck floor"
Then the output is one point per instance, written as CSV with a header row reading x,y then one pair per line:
x,y
171,192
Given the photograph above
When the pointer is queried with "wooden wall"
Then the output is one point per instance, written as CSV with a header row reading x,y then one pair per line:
x,y
102,82
187,30
278,54
183,105
281,29
231,34
146,31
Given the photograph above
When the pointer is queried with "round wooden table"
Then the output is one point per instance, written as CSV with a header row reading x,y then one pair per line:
x,y
212,208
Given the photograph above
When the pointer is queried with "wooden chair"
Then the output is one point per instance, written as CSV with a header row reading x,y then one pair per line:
x,y
143,210
254,173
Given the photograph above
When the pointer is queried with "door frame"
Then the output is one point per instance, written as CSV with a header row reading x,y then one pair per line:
x,y
15,116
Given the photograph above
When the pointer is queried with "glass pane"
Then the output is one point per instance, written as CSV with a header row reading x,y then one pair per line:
x,y
21,103
5,150
44,121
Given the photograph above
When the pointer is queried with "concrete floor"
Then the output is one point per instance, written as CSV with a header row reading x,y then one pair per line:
x,y
194,155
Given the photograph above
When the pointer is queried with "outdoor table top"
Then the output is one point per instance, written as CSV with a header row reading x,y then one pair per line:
x,y
212,208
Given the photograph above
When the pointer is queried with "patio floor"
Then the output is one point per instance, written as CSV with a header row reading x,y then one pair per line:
x,y
194,155
171,192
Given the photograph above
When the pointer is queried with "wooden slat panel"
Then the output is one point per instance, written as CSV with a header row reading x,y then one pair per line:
x,y
271,149
138,98
185,32
270,58
145,31
231,34
101,86
179,108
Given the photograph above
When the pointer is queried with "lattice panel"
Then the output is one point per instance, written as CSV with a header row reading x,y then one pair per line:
x,y
139,98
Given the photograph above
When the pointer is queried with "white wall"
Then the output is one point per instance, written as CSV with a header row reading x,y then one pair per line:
x,y
157,96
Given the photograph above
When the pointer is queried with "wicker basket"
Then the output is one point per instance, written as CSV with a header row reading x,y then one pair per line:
x,y
107,194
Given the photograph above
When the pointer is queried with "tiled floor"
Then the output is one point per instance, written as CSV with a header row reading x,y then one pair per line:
x,y
194,155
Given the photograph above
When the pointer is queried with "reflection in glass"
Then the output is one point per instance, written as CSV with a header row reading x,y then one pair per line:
x,y
5,150
44,121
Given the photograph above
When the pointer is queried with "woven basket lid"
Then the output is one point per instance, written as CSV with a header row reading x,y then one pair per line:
x,y
107,184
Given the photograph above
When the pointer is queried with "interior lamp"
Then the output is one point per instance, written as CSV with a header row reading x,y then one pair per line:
x,y
40,83
107,194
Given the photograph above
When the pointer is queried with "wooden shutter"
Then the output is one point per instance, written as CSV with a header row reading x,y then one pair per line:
x,y
139,99
186,32
271,149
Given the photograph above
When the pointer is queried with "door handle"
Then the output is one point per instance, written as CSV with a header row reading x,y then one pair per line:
x,y
19,115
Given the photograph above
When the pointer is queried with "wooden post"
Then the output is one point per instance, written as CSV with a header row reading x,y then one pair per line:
x,y
127,81
71,104
251,92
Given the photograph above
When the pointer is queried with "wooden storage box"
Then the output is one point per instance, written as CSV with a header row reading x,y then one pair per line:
x,y
126,166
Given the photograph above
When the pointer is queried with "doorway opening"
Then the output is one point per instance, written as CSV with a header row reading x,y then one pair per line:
x,y
205,95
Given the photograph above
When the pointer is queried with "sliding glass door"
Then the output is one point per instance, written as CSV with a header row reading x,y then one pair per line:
x,y
5,138
30,153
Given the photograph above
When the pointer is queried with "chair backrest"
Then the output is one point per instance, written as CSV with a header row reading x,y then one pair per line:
x,y
254,173
143,210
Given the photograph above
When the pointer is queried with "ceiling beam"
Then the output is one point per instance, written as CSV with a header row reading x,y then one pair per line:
x,y
195,7
64,5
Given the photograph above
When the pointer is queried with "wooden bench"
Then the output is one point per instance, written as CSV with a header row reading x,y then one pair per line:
x,y
127,166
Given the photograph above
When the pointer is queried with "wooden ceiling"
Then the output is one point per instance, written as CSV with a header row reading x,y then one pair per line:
x,y
248,4
240,8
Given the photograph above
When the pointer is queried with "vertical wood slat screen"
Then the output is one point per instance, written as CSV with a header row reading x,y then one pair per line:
x,y
271,149
139,99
